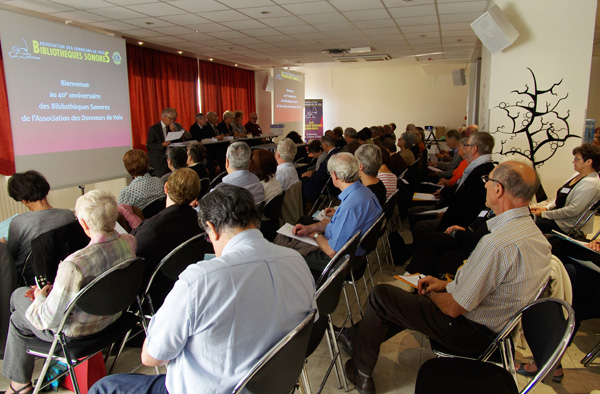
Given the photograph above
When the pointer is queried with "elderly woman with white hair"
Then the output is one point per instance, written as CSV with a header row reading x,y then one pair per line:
x,y
35,312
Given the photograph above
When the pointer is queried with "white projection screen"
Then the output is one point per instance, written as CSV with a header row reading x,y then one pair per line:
x,y
288,99
68,98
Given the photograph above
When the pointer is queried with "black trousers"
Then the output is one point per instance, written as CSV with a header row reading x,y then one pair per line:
x,y
390,310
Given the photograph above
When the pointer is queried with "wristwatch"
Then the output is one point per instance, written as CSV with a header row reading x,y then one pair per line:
x,y
316,236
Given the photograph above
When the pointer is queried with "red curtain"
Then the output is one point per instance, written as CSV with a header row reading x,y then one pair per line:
x,y
7,156
224,87
158,80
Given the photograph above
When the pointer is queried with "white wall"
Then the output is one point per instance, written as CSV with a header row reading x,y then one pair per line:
x,y
366,94
554,54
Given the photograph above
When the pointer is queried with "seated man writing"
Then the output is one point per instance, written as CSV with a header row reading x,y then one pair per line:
x,y
223,314
502,275
358,210
35,312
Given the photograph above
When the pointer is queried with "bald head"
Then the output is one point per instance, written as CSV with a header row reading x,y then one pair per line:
x,y
520,180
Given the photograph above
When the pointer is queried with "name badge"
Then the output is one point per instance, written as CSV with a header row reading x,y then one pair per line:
x,y
483,213
565,190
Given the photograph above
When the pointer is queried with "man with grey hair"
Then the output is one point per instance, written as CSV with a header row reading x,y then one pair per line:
x,y
351,138
157,140
358,210
222,314
197,129
317,179
286,173
237,162
503,274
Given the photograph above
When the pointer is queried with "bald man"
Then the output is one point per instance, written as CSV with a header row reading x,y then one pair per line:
x,y
502,275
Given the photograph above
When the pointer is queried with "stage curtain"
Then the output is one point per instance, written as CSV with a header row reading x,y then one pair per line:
x,y
158,80
226,88
7,155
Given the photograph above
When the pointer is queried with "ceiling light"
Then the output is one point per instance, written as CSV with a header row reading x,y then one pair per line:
x,y
196,31
140,42
265,12
360,50
149,23
180,52
210,59
235,64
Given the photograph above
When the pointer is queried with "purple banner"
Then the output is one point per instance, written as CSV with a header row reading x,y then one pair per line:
x,y
313,119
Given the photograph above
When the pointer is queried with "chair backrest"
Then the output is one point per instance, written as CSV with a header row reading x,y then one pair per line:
x,y
204,187
154,207
278,370
369,240
272,209
189,252
390,204
576,231
328,294
111,292
548,325
349,249
216,180
292,207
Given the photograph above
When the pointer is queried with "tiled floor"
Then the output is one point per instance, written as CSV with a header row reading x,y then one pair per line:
x,y
401,357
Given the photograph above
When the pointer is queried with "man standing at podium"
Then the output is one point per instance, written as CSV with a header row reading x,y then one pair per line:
x,y
157,140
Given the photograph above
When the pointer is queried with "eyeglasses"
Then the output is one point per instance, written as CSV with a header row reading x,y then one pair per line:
x,y
575,158
486,179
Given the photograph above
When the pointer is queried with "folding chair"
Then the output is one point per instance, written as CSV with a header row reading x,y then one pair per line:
x,y
272,212
323,199
548,325
278,370
577,230
216,180
110,293
154,207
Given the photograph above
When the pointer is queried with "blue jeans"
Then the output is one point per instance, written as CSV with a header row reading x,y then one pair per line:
x,y
130,383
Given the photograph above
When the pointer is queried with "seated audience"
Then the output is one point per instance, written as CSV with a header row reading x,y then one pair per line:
x,y
358,210
574,197
340,141
163,232
31,189
452,139
176,159
502,275
264,166
316,150
237,162
144,188
369,162
207,312
316,181
471,129
390,180
196,156
395,163
406,142
301,153
284,155
351,138
387,133
35,311
460,169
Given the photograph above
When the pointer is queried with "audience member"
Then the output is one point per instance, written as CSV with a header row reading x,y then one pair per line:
x,y
406,142
358,210
369,162
561,212
196,130
35,311
252,126
316,181
225,127
237,163
157,140
471,129
144,188
264,166
238,124
387,133
176,159
163,232
284,155
301,153
460,169
340,141
31,189
316,150
251,295
453,158
389,179
351,138
395,163
196,156
502,275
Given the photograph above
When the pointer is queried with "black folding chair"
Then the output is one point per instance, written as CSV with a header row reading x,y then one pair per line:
x,y
154,207
216,180
272,212
278,370
108,294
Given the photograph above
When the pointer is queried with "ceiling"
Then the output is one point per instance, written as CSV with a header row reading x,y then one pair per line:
x,y
258,34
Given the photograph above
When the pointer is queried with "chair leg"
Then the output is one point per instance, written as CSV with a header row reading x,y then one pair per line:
x,y
339,364
348,304
304,383
370,274
356,294
508,359
63,341
46,366
591,356
333,354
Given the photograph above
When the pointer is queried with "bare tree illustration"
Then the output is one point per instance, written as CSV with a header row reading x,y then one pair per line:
x,y
538,127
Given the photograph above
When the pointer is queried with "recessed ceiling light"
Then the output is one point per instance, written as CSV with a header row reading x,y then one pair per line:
x,y
149,23
210,59
422,35
140,42
265,12
235,64
196,31
459,40
180,52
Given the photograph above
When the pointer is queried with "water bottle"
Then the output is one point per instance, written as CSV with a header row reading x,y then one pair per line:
x,y
588,135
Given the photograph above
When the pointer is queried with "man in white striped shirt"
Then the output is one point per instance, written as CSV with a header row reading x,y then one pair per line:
x,y
502,275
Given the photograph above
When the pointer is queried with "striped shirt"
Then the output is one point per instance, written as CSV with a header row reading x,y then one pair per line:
x,y
504,272
74,273
390,182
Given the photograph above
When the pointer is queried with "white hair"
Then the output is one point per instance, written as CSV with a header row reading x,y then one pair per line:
x,y
345,166
239,154
99,210
287,149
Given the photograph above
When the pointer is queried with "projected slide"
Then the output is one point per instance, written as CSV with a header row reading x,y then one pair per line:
x,y
68,97
288,94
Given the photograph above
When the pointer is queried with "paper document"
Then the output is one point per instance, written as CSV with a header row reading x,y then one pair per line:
x,y
434,169
425,197
572,240
432,211
286,230
587,264
120,229
4,227
174,135
320,215
412,279
431,184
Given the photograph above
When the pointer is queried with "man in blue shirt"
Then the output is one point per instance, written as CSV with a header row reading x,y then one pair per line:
x,y
358,210
237,163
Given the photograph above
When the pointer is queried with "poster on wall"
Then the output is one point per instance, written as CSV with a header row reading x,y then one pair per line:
x,y
313,119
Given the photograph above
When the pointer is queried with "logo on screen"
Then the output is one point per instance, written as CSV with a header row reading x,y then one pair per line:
x,y
21,51
117,58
